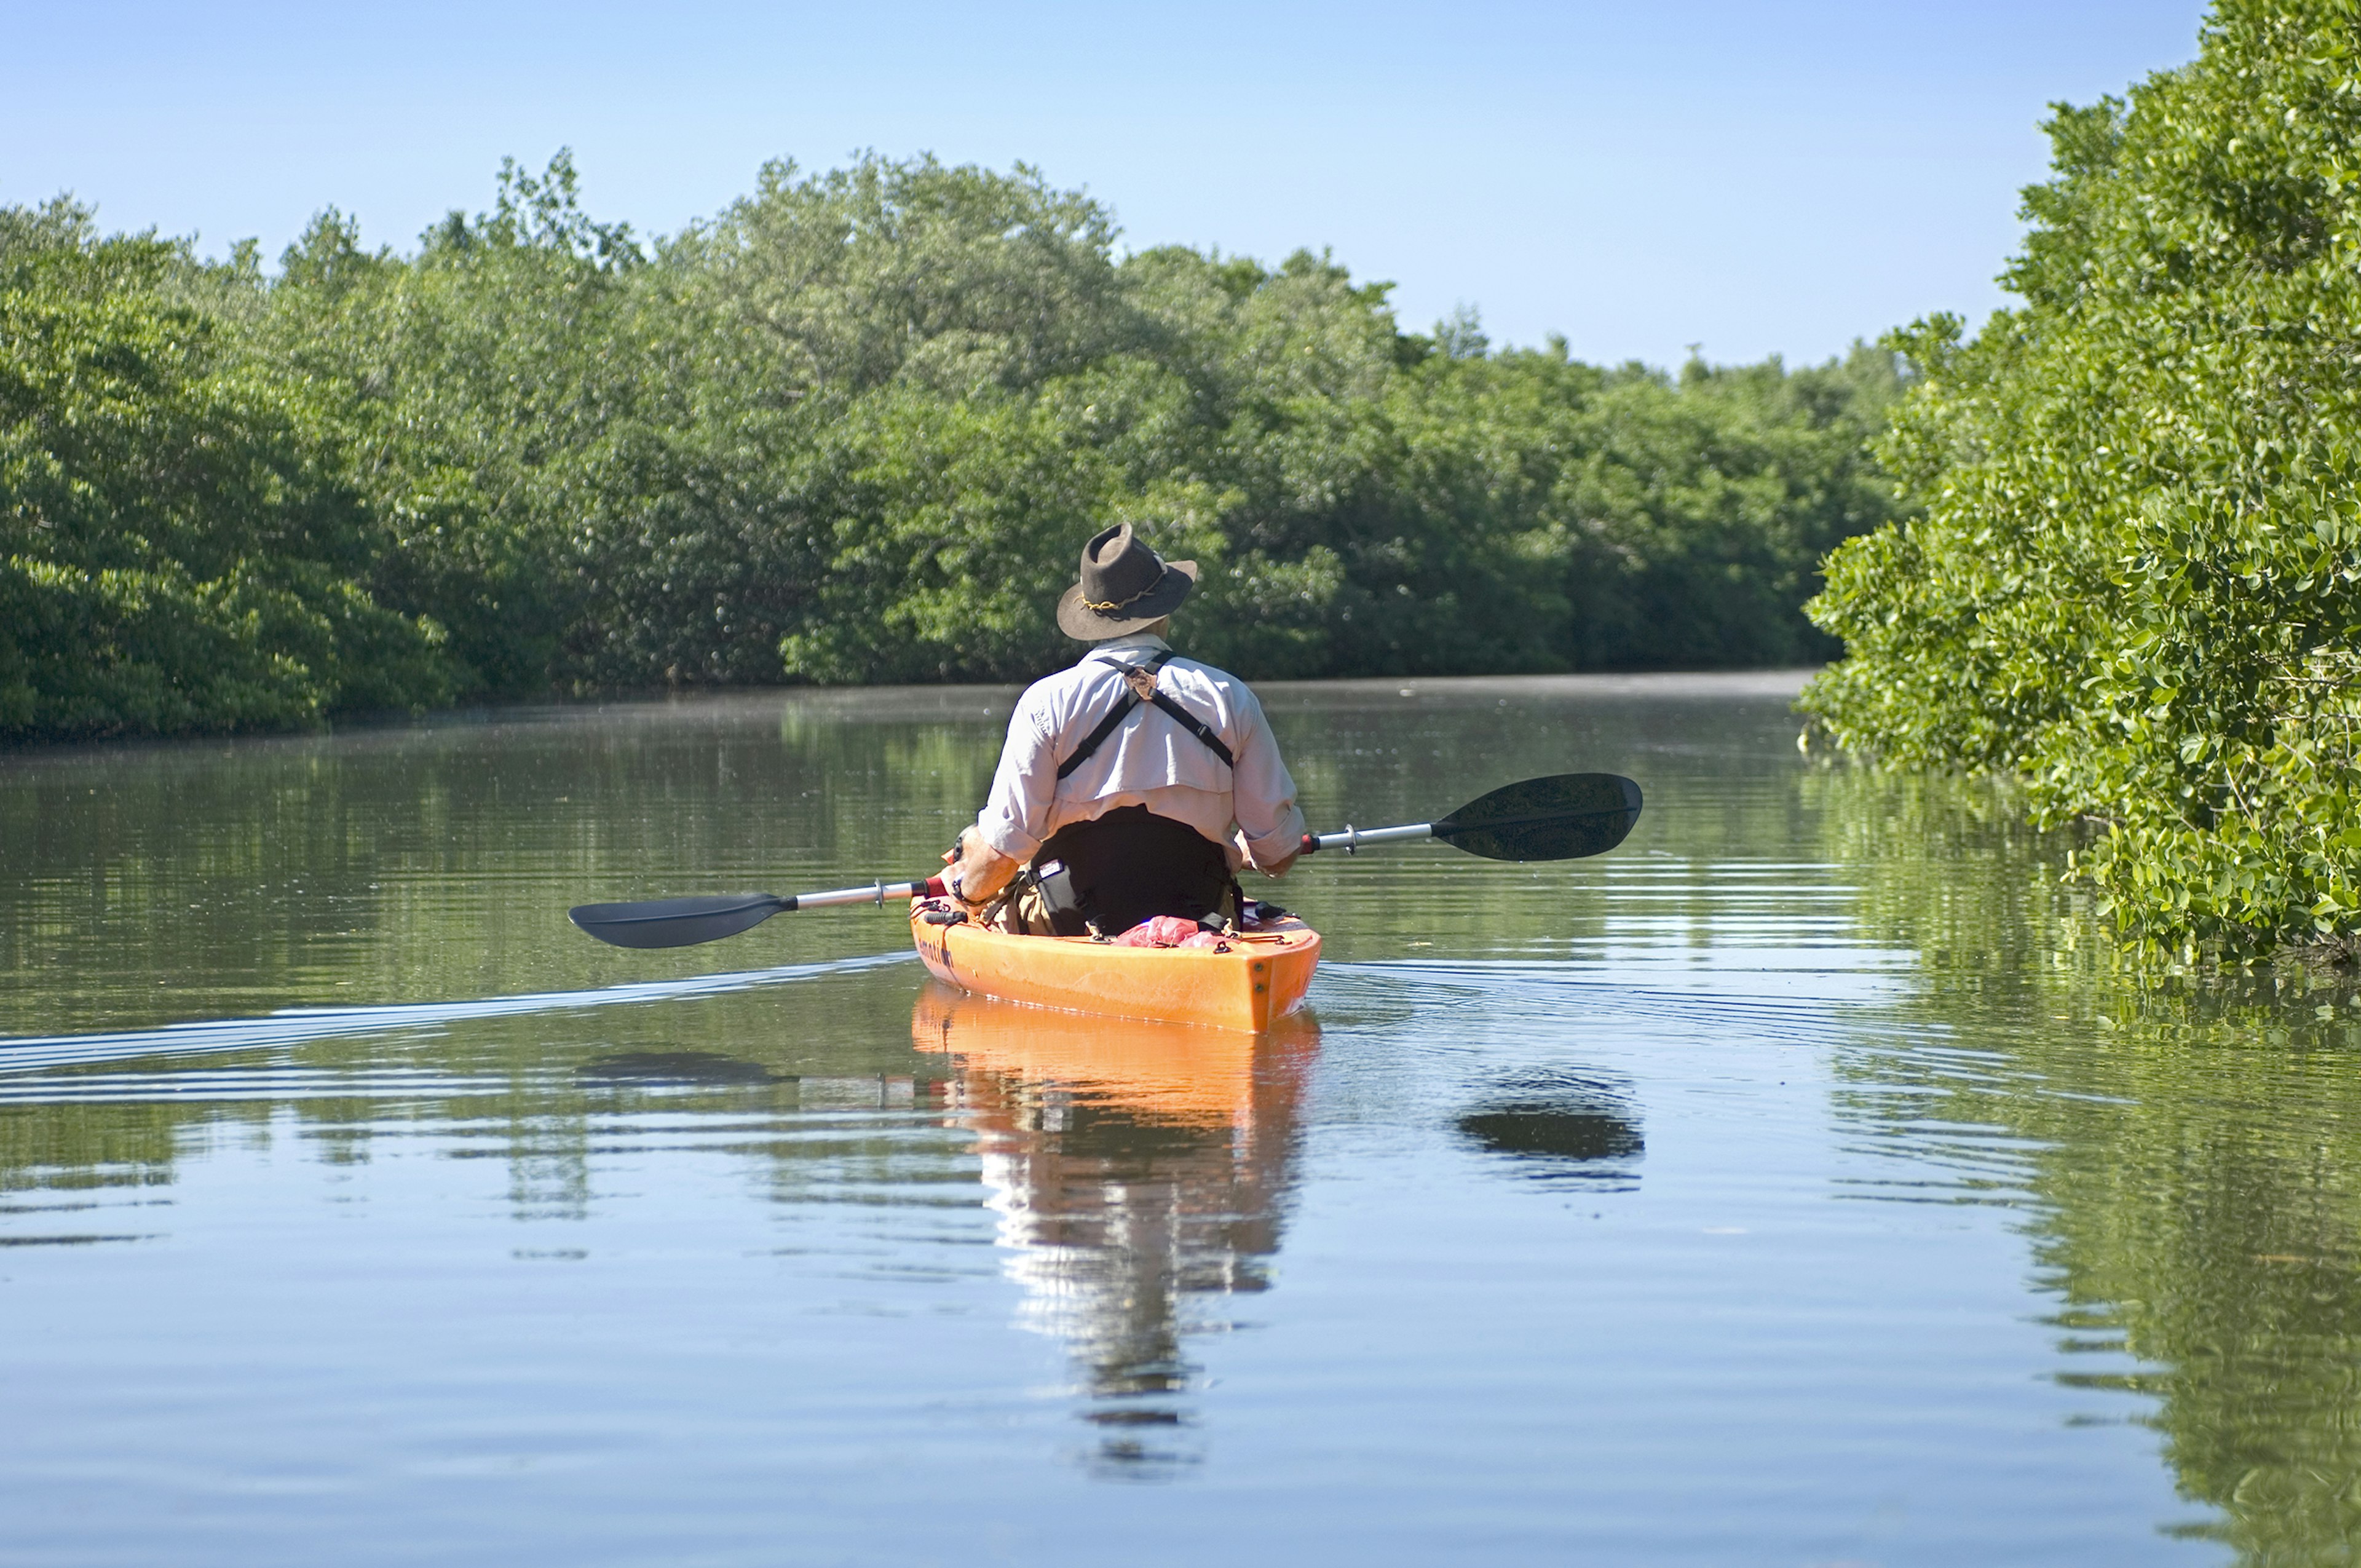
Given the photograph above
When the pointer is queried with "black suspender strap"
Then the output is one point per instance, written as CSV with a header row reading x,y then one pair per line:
x,y
1194,726
1097,738
1141,679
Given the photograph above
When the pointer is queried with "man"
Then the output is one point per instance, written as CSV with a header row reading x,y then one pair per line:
x,y
1150,779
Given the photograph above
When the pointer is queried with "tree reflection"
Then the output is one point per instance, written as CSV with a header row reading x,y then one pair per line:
x,y
1141,1172
2189,1151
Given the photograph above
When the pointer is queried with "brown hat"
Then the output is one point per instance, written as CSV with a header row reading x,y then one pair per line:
x,y
1125,585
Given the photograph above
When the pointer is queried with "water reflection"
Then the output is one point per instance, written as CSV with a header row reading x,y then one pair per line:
x,y
2189,1154
759,1155
1562,1127
1140,1172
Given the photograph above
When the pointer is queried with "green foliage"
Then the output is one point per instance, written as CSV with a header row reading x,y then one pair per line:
x,y
174,554
855,429
485,398
2136,581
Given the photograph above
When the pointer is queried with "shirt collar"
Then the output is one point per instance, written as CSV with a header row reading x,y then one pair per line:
x,y
1138,641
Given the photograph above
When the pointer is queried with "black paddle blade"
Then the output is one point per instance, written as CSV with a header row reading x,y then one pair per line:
x,y
677,922
1562,817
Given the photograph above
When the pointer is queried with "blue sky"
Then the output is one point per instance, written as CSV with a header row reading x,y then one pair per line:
x,y
1753,178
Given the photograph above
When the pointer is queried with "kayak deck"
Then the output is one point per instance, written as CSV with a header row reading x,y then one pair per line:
x,y
1260,978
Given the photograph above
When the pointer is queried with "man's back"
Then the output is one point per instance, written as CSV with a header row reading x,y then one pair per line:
x,y
1149,759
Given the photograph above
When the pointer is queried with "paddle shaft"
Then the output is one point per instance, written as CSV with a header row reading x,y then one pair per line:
x,y
1352,837
877,893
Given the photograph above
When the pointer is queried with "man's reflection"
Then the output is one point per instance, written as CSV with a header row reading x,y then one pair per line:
x,y
1140,1171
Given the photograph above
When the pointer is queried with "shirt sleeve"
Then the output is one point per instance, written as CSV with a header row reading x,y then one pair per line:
x,y
1016,816
1261,791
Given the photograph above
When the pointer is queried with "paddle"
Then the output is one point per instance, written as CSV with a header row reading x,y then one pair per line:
x,y
1562,817
685,922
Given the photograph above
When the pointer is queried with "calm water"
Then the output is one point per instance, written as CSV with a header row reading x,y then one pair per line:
x,y
1793,1186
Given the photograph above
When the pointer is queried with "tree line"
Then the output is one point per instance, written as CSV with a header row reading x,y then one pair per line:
x,y
2129,568
852,429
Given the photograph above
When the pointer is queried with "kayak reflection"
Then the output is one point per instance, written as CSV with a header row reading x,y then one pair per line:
x,y
1141,1172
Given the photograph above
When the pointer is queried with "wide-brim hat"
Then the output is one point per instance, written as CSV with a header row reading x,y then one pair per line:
x,y
1126,586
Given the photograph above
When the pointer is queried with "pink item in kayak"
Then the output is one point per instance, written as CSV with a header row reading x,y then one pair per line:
x,y
1168,931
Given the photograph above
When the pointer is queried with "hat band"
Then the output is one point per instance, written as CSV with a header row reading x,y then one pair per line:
x,y
1119,604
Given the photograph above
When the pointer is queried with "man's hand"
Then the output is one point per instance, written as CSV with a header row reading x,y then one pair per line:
x,y
978,871
1245,857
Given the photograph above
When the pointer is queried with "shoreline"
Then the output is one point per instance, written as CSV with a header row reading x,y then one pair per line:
x,y
903,702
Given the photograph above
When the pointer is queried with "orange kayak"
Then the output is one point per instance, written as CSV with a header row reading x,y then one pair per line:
x,y
1260,979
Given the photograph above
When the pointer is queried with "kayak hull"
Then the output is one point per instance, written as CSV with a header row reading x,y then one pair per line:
x,y
1260,979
